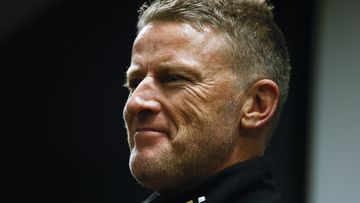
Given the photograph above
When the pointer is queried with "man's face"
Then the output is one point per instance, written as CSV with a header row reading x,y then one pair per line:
x,y
183,111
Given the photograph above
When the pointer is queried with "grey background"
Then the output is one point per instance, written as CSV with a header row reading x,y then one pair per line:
x,y
335,137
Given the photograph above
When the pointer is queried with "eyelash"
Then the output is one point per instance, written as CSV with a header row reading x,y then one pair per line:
x,y
133,83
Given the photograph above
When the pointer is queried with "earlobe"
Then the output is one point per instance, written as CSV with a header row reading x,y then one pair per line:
x,y
260,104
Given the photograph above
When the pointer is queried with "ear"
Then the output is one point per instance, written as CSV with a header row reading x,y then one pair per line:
x,y
260,104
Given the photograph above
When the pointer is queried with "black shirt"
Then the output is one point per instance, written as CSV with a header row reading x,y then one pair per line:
x,y
245,182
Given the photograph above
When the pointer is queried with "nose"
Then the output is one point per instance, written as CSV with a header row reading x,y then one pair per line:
x,y
144,99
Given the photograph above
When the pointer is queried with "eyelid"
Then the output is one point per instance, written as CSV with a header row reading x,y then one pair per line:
x,y
133,74
176,76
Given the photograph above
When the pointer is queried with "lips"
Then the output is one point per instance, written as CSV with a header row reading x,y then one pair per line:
x,y
149,129
148,136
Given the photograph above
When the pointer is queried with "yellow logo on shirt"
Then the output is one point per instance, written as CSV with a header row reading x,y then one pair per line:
x,y
200,199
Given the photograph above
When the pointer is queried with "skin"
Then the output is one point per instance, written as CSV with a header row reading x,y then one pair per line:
x,y
186,118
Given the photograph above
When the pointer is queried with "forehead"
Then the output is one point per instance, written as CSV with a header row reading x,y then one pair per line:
x,y
172,39
164,33
171,32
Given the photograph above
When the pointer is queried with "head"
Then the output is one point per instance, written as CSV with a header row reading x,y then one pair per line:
x,y
207,81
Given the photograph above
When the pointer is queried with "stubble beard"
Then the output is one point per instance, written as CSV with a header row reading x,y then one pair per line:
x,y
189,159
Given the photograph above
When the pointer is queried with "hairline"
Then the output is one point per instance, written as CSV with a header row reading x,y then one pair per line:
x,y
229,48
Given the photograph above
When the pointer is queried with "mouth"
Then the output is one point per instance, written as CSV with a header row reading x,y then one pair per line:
x,y
144,129
149,136
152,128
150,132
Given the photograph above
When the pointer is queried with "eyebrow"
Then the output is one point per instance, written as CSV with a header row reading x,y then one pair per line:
x,y
185,68
188,69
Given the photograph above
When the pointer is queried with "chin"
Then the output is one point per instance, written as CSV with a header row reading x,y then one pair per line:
x,y
156,180
155,171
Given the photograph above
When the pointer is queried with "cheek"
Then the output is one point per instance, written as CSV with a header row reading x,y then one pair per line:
x,y
191,106
127,124
198,106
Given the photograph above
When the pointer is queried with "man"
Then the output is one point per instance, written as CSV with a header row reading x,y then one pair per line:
x,y
207,81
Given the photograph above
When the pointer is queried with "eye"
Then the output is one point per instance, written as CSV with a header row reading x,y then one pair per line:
x,y
133,83
173,78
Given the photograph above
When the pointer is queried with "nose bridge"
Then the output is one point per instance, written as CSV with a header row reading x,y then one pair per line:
x,y
146,89
144,98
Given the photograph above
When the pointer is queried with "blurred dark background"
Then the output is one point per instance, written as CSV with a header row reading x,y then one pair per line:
x,y
64,64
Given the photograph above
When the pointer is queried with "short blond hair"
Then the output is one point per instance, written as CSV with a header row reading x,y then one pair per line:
x,y
255,42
